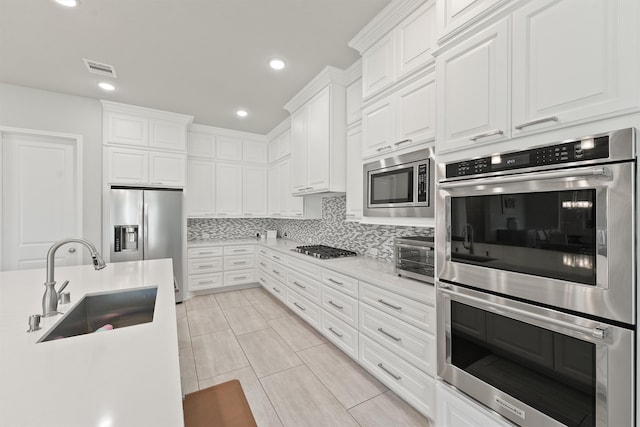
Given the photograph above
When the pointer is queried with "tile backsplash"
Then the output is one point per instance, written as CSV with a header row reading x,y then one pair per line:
x,y
331,230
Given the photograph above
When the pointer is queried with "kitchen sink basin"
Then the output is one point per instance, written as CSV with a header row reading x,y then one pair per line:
x,y
116,308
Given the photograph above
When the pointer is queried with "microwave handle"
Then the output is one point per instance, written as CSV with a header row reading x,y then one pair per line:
x,y
601,172
599,333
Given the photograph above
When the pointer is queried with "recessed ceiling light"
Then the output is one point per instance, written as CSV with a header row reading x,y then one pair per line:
x,y
68,3
106,86
242,113
277,63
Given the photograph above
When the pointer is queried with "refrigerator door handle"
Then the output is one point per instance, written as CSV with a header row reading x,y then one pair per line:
x,y
145,226
175,285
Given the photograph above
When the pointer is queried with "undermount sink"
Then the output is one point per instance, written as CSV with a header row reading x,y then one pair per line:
x,y
116,308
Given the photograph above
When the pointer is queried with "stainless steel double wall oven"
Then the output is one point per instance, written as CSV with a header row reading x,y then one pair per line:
x,y
536,281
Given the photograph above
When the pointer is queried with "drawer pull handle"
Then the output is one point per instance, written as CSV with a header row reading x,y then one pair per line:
x,y
382,331
262,280
206,266
276,257
299,306
335,281
386,147
205,282
395,307
240,278
276,289
205,253
299,285
336,305
396,377
277,272
238,250
486,134
537,122
404,141
338,334
239,262
263,264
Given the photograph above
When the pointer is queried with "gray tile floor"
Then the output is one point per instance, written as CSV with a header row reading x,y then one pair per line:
x,y
290,374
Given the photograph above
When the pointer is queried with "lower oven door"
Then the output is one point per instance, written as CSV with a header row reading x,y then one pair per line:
x,y
535,366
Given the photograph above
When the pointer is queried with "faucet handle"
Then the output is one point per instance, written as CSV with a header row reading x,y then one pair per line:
x,y
64,285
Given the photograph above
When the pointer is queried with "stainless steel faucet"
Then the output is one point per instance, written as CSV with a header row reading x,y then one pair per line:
x,y
50,297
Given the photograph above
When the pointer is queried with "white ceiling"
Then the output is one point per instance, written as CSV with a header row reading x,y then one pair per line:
x,y
205,58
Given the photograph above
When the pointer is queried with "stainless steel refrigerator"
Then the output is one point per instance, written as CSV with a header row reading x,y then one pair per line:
x,y
147,224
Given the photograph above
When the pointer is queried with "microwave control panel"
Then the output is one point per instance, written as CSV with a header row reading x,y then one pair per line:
x,y
423,182
568,152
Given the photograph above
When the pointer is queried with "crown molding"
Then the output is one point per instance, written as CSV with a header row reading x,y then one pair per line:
x,y
279,129
148,112
212,130
354,72
325,77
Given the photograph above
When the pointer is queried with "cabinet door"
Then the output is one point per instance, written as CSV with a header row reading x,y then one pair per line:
x,y
416,112
200,192
201,145
275,190
473,96
168,135
318,135
457,410
127,166
299,150
354,174
569,66
289,205
378,132
416,38
168,169
228,148
378,70
228,189
254,151
127,129
284,144
354,101
454,15
254,190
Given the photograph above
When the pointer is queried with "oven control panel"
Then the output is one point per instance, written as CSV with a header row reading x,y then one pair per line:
x,y
568,152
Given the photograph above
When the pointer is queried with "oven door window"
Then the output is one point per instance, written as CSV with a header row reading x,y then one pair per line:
x,y
391,187
549,234
546,370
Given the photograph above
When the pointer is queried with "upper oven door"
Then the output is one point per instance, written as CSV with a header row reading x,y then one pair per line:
x,y
562,238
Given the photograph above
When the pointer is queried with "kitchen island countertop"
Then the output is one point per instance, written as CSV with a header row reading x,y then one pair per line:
x,y
126,377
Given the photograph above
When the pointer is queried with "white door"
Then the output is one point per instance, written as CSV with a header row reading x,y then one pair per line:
x,y
41,199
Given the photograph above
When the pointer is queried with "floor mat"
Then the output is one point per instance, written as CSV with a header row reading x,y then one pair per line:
x,y
223,405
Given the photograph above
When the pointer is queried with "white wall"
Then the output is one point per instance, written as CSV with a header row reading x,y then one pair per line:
x,y
28,108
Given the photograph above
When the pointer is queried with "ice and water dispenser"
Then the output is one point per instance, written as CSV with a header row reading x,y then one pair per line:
x,y
126,238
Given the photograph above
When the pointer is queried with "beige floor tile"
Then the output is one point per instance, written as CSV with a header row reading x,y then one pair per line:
x,y
267,352
203,322
231,299
300,399
188,377
260,405
254,294
202,302
348,382
270,308
217,353
245,319
296,333
184,337
385,410
181,311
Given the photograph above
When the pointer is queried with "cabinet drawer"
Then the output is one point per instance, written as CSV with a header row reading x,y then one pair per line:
x,y
409,342
306,268
304,308
204,265
238,262
342,306
205,281
238,249
276,289
304,285
278,257
204,252
338,281
341,334
410,383
238,277
413,312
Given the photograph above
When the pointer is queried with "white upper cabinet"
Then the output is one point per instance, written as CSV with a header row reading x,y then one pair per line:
x,y
168,135
569,66
280,146
167,169
200,195
144,167
228,148
127,129
354,102
455,15
354,174
378,123
318,140
254,190
228,187
473,96
254,151
396,43
201,145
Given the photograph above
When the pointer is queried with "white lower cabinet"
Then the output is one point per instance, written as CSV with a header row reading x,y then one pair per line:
x,y
239,277
211,267
407,381
305,285
342,306
271,285
342,335
309,311
457,410
203,282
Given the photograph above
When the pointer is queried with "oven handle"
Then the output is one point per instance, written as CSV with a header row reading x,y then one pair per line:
x,y
409,246
600,172
599,333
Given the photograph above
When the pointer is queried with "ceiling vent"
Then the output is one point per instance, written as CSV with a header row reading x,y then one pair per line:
x,y
96,67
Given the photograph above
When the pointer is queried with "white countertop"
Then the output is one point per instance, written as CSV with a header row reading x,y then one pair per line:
x,y
367,269
125,377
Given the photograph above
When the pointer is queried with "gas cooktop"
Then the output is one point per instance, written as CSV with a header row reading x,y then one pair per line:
x,y
324,252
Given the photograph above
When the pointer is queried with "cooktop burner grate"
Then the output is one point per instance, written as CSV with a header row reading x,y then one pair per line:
x,y
324,252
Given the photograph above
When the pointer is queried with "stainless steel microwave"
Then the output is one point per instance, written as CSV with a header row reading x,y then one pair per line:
x,y
400,186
